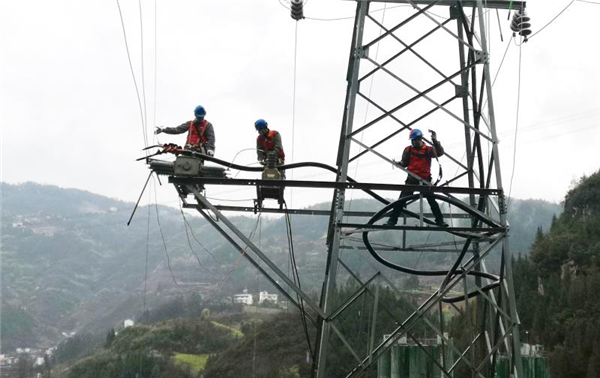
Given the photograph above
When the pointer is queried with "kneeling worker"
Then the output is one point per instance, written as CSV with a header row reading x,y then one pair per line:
x,y
201,134
417,159
269,142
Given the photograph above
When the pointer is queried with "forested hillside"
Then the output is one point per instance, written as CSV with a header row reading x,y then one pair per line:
x,y
558,286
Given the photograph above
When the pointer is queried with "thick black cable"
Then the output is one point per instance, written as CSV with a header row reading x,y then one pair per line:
x,y
449,274
285,166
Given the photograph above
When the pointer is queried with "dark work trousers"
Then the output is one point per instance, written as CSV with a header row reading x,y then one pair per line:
x,y
435,208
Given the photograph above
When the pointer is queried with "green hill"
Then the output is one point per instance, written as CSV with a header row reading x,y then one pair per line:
x,y
176,348
557,287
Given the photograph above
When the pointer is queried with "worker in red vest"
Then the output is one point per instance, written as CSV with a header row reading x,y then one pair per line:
x,y
201,134
267,141
417,159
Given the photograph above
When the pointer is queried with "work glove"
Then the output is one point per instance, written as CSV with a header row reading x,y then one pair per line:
x,y
157,131
210,153
433,136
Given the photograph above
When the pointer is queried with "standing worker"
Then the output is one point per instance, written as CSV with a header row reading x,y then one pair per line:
x,y
201,134
417,159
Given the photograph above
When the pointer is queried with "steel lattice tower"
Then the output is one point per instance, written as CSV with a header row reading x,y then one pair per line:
x,y
464,97
447,87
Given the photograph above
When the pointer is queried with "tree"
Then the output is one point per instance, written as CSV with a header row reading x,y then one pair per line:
x,y
110,337
24,366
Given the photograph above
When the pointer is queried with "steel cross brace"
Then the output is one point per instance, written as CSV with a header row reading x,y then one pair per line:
x,y
425,319
202,201
423,308
456,279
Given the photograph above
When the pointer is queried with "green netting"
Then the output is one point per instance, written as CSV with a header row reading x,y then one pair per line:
x,y
410,361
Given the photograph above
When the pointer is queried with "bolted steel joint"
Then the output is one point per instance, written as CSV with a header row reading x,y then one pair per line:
x,y
482,57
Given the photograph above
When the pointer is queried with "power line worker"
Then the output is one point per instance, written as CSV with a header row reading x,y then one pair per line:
x,y
201,134
268,141
417,159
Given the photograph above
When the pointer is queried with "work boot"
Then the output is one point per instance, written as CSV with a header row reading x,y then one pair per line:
x,y
391,222
440,223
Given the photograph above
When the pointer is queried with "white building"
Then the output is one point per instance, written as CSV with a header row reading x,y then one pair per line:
x,y
128,323
243,298
264,296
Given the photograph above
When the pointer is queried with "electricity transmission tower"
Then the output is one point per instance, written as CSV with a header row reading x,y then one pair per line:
x,y
457,97
431,60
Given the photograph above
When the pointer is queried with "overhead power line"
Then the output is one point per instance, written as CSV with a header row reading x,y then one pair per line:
x,y
551,21
512,174
137,91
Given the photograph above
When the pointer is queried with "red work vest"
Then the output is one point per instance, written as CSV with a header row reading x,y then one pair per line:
x,y
420,161
268,144
196,134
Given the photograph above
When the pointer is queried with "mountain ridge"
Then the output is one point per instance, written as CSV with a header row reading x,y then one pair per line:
x,y
69,262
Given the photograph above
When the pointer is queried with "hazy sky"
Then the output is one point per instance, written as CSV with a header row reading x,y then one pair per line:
x,y
70,116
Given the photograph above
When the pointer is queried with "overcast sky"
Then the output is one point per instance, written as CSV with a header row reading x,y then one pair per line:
x,y
69,112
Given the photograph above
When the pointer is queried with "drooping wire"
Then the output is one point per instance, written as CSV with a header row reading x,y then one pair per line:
x,y
143,76
155,65
296,278
251,236
137,91
198,241
294,105
516,131
368,103
162,236
187,235
144,307
551,21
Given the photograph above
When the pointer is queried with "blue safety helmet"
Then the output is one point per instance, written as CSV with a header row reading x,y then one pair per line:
x,y
200,112
261,123
415,134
